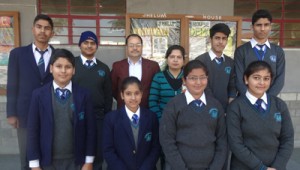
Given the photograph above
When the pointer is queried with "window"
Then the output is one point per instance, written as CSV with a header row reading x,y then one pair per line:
x,y
106,18
286,19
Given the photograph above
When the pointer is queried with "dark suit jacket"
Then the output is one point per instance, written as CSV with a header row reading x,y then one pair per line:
x,y
40,125
119,146
120,70
23,77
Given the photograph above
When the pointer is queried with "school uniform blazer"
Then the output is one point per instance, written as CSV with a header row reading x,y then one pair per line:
x,y
23,77
118,141
40,125
120,70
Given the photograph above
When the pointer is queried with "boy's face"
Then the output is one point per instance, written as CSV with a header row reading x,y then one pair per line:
x,y
218,43
42,31
88,48
261,29
62,71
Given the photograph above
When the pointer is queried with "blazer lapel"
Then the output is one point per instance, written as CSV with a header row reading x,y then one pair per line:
x,y
47,103
143,124
32,61
48,66
125,68
126,124
77,100
144,71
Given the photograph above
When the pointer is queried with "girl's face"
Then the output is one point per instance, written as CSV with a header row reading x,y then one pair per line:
x,y
132,96
175,60
258,82
196,82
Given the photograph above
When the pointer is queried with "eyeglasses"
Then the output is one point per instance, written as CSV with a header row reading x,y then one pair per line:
x,y
195,78
134,45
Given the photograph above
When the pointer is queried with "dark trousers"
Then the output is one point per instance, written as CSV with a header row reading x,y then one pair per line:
x,y
97,165
62,164
22,140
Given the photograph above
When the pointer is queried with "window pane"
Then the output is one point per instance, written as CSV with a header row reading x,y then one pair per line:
x,y
54,2
112,32
112,40
59,40
83,3
112,7
84,23
54,10
292,43
60,26
83,10
244,8
292,31
274,8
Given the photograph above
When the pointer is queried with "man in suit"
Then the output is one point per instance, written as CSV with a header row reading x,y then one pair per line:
x,y
27,70
135,65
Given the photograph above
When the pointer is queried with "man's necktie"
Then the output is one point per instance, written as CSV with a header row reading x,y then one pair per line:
x,y
260,51
89,63
62,94
41,63
219,60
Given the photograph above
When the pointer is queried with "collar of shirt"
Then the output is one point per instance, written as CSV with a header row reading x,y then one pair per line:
x,y
139,62
253,99
190,98
83,59
212,55
46,56
130,113
254,42
68,86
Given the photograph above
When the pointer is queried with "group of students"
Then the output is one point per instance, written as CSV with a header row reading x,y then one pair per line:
x,y
189,117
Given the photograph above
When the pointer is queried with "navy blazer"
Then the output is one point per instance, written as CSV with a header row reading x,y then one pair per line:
x,y
40,125
119,149
23,77
120,71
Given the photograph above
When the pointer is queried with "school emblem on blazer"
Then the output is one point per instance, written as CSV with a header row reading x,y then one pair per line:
x,y
72,106
81,116
273,58
277,117
227,70
214,113
101,73
148,136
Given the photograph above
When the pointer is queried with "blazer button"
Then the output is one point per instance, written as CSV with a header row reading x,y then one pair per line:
x,y
133,152
42,83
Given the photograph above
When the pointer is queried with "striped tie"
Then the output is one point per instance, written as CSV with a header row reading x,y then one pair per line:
x,y
41,63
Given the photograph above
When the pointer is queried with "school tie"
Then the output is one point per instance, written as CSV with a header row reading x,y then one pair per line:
x,y
41,63
135,120
63,94
219,60
258,105
261,51
89,63
198,105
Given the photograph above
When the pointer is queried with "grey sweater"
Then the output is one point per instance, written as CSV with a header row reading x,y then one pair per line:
x,y
193,140
244,55
259,140
221,78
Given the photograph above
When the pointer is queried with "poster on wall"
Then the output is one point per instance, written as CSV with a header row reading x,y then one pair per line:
x,y
9,39
157,35
199,39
